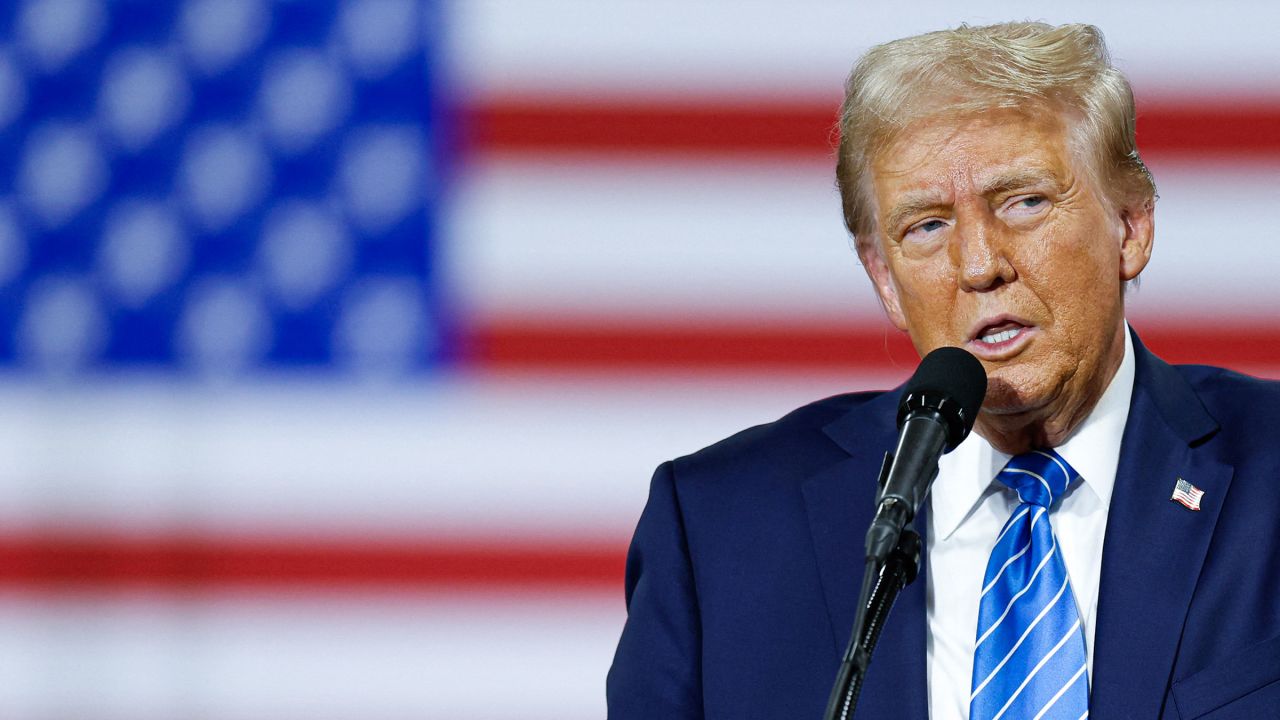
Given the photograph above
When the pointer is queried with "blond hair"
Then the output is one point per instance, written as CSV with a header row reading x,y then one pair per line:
x,y
1023,65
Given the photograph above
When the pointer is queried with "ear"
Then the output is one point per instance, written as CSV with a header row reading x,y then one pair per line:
x,y
872,257
1139,236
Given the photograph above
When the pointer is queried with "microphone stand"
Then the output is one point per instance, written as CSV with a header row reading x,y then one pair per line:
x,y
881,584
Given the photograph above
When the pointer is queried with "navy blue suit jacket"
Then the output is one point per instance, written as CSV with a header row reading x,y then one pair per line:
x,y
743,574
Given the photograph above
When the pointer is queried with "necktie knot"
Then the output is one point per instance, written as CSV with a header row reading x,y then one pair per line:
x,y
1039,477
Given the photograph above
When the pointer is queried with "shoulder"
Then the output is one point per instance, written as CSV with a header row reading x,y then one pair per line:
x,y
1234,399
1247,413
793,445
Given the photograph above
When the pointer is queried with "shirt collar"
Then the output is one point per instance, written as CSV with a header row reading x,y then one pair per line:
x,y
967,473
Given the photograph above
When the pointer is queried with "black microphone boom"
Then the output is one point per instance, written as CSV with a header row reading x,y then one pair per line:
x,y
939,405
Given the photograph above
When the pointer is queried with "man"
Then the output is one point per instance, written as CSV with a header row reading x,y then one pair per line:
x,y
1103,544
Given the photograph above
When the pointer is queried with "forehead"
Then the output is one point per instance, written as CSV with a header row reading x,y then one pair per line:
x,y
950,154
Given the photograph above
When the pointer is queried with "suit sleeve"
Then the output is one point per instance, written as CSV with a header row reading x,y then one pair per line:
x,y
656,672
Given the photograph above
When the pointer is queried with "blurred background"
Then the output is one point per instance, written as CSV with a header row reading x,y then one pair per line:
x,y
339,338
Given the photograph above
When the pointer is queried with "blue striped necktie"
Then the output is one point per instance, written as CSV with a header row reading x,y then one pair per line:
x,y
1030,658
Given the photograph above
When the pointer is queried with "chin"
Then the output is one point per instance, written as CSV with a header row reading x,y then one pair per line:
x,y
1013,394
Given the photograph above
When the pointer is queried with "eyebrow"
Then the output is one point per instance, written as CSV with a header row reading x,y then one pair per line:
x,y
918,202
1019,179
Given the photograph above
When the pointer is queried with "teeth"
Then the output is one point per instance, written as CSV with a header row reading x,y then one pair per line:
x,y
999,337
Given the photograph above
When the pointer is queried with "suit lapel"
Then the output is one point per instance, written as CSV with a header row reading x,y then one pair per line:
x,y
1154,547
840,501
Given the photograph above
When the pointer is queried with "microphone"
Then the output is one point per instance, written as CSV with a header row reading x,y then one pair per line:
x,y
938,408
936,413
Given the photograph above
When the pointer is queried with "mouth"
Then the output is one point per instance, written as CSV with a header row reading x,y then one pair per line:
x,y
1000,337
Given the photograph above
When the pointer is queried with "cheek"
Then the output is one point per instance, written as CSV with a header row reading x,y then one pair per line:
x,y
927,292
1082,269
918,277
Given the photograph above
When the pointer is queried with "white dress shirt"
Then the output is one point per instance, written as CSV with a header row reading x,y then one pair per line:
x,y
967,509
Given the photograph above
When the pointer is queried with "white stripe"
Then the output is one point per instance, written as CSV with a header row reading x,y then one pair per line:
x,y
1007,563
358,462
538,236
1066,474
1021,592
1061,692
316,655
1028,472
1025,633
1019,554
1085,715
581,46
541,239
1036,669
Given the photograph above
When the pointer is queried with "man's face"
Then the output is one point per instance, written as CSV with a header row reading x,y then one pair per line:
x,y
996,238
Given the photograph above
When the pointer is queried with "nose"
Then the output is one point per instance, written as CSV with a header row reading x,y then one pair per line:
x,y
979,253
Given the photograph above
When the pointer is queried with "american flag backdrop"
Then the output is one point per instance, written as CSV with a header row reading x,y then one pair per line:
x,y
339,338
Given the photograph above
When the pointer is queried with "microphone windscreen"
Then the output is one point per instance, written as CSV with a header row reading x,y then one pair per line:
x,y
954,383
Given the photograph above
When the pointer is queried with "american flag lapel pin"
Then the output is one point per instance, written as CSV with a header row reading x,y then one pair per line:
x,y
1187,494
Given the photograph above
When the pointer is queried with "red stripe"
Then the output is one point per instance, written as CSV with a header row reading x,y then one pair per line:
x,y
62,561
637,347
1220,127
1209,127
643,128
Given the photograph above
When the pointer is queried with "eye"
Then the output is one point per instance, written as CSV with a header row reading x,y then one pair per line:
x,y
925,227
1027,204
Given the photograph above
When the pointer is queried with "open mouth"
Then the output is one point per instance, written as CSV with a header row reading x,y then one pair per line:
x,y
998,336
